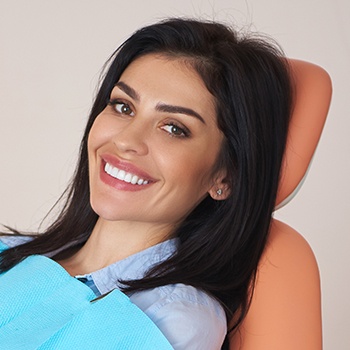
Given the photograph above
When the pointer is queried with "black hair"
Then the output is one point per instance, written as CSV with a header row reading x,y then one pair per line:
x,y
220,242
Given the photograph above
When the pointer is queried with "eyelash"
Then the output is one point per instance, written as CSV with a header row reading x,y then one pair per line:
x,y
185,132
114,103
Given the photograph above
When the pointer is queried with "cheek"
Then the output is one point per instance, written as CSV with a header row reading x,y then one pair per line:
x,y
98,134
201,167
189,170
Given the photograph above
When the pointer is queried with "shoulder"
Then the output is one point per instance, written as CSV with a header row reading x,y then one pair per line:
x,y
188,317
285,312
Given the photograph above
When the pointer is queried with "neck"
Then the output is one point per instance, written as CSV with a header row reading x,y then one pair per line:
x,y
111,241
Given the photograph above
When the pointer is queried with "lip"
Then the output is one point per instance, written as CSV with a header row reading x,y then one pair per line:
x,y
127,167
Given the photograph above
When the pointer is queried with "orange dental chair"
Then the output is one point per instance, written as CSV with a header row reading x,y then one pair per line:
x,y
285,310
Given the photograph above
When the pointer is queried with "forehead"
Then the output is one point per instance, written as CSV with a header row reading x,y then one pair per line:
x,y
170,80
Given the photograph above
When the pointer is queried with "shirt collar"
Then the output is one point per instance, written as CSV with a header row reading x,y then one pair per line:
x,y
133,267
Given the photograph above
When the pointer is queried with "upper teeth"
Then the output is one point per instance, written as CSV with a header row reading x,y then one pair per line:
x,y
124,176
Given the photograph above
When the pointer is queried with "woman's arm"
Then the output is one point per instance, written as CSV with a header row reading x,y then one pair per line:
x,y
285,312
313,90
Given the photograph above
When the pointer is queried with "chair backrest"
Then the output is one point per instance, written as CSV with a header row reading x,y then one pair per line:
x,y
285,310
312,93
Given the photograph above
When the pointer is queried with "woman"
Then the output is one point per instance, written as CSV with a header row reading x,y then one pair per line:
x,y
177,180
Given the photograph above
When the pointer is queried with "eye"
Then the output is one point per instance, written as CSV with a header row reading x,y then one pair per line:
x,y
176,130
121,107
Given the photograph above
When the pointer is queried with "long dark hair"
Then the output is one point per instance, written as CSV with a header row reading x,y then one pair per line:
x,y
220,242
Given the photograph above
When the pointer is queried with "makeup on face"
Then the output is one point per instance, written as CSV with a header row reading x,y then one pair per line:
x,y
153,149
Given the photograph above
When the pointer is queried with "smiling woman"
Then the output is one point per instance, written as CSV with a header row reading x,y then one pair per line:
x,y
170,207
162,134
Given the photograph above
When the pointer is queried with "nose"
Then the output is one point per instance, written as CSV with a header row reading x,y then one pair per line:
x,y
132,138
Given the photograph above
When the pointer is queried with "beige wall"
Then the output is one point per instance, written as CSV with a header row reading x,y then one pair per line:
x,y
51,53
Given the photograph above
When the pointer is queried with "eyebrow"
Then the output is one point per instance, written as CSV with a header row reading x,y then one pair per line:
x,y
161,107
128,90
178,109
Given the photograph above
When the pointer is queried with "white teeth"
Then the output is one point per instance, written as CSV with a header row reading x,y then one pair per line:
x,y
121,175
124,176
113,171
134,179
127,178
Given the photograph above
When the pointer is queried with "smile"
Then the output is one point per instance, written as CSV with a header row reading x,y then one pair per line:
x,y
123,175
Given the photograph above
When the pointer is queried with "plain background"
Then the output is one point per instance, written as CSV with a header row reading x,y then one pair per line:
x,y
51,53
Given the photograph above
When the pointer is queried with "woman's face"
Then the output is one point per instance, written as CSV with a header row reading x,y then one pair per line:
x,y
153,149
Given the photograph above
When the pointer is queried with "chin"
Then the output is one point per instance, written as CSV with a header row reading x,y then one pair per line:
x,y
103,211
111,212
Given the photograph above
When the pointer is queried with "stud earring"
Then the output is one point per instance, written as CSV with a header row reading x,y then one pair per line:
x,y
219,192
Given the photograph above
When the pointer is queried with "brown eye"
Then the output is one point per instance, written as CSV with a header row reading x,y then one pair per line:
x,y
175,130
121,107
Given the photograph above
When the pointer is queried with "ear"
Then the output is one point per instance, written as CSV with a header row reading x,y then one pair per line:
x,y
220,190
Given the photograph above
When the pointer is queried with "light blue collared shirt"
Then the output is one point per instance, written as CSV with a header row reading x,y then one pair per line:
x,y
188,317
